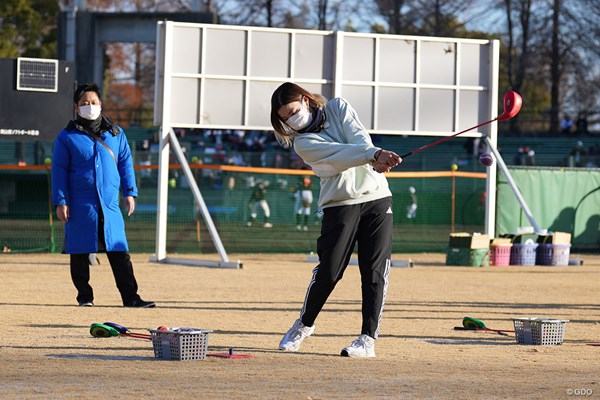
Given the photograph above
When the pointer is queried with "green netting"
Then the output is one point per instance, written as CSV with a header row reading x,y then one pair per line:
x,y
560,200
25,223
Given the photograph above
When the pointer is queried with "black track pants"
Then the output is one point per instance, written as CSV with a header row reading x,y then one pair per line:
x,y
370,226
120,263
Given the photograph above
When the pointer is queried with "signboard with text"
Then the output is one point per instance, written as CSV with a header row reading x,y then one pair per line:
x,y
28,113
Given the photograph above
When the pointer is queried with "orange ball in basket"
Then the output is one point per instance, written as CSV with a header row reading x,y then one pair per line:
x,y
162,328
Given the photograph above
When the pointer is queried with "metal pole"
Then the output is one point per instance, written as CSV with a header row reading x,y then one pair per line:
x,y
198,196
514,187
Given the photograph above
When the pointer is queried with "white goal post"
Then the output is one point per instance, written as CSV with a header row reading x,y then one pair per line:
x,y
222,77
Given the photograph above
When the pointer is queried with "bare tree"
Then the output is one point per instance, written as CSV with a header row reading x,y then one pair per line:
x,y
581,82
322,14
555,68
549,53
519,45
428,17
331,14
394,12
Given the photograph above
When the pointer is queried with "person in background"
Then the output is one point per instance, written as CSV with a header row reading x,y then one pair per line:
x,y
577,155
356,203
411,210
581,124
91,162
566,125
304,200
525,156
258,200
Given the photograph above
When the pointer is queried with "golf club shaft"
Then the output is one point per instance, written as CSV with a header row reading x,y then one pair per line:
x,y
442,140
499,331
126,332
138,335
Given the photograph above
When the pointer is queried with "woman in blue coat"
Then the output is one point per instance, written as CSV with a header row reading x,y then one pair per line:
x,y
90,164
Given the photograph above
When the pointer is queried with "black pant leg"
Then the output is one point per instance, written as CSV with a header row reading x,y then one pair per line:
x,y
334,247
374,259
120,263
80,275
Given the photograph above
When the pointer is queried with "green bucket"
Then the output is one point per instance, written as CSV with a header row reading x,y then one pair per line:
x,y
468,257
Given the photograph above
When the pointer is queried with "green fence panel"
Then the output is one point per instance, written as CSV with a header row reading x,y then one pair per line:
x,y
560,200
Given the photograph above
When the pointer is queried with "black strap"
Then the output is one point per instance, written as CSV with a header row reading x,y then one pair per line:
x,y
103,144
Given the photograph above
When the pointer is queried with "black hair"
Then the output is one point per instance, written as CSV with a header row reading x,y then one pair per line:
x,y
86,87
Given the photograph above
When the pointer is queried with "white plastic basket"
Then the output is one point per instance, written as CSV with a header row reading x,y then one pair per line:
x,y
539,331
180,344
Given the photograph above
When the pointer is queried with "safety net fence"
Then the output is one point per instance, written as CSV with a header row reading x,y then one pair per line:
x,y
427,207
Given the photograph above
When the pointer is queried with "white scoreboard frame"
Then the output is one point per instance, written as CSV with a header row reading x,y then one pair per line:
x,y
222,77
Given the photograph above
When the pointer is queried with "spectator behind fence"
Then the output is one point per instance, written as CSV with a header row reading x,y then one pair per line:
x,y
525,156
581,124
577,154
566,125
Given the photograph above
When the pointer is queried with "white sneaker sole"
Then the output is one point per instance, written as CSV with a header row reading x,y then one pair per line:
x,y
289,348
346,353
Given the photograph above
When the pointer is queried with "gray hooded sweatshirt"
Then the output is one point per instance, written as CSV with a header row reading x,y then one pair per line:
x,y
341,155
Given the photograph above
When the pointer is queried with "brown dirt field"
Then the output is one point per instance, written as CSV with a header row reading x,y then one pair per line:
x,y
46,350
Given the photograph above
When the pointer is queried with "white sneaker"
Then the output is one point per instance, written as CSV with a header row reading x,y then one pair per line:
x,y
295,335
364,346
268,225
305,228
298,227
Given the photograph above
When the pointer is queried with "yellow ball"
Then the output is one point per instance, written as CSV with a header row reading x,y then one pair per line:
x,y
172,182
47,161
454,167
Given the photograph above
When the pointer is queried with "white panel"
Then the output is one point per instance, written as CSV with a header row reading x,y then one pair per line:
x,y
184,100
159,73
259,103
358,59
186,49
396,108
438,63
472,108
225,52
361,99
474,65
397,61
223,102
314,55
436,110
326,90
417,80
270,54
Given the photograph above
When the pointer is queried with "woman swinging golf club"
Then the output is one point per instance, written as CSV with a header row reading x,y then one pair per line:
x,y
355,199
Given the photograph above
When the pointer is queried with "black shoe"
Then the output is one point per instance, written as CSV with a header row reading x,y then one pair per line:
x,y
86,304
139,303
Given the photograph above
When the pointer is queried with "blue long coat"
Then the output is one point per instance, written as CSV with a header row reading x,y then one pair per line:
x,y
85,177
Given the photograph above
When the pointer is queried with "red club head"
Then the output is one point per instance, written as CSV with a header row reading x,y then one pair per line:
x,y
512,105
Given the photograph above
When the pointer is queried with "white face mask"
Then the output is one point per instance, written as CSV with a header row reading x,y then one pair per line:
x,y
90,112
300,120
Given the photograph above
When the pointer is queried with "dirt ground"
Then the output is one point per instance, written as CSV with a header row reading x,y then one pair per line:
x,y
46,350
